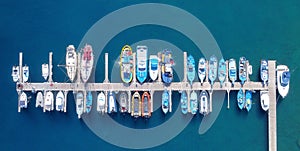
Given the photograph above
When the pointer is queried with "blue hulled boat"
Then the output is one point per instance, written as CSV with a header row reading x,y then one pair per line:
x,y
89,102
222,71
191,69
212,69
242,70
193,103
165,102
248,100
201,69
241,99
183,101
264,71
141,63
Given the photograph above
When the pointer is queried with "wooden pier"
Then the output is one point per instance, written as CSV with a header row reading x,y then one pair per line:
x,y
152,87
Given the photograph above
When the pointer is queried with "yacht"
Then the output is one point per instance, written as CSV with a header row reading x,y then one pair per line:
x,y
264,71
283,80
71,62
212,69
25,73
166,69
146,105
87,62
222,71
203,104
124,102
89,102
126,64
153,67
112,104
136,110
191,73
79,104
232,71
101,103
193,103
242,70
241,99
165,102
248,104
141,63
15,73
60,101
45,71
23,100
49,101
264,100
39,102
183,101
202,70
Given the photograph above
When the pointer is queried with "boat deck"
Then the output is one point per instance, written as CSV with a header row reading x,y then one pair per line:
x,y
106,86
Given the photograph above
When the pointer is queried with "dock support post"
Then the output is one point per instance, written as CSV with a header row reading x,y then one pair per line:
x,y
159,70
20,67
50,68
170,98
188,100
66,100
134,68
20,78
206,71
106,68
106,100
210,100
152,94
129,101
184,67
84,101
227,84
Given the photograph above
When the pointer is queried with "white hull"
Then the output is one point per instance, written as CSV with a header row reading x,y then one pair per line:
x,y
112,107
45,71
201,69
39,100
60,101
101,102
86,66
233,70
71,62
49,101
203,105
25,73
15,73
153,68
283,90
264,100
23,100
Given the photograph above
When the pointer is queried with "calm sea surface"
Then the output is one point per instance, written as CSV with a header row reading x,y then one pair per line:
x,y
255,29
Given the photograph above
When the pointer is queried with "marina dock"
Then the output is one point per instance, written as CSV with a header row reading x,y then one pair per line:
x,y
158,85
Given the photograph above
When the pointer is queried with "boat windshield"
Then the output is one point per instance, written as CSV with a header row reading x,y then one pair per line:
x,y
191,69
154,66
285,78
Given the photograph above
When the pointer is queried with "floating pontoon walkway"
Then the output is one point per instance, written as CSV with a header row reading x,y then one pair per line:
x,y
106,86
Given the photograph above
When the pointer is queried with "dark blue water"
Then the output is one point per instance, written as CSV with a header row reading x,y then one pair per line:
x,y
268,29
